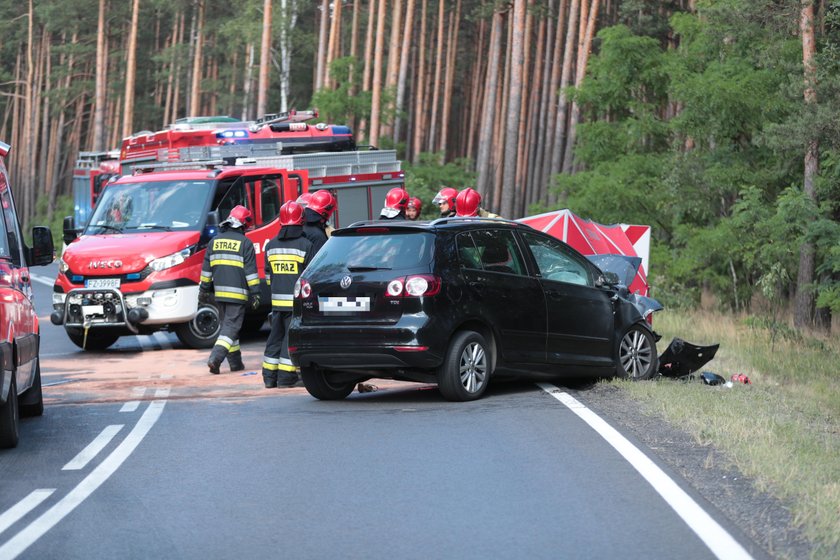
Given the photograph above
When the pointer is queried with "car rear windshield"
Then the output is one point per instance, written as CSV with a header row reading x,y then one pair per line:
x,y
393,250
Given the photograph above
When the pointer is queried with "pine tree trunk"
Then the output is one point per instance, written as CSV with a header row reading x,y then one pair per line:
x,y
321,57
803,310
419,121
376,102
476,90
101,77
403,72
431,146
366,74
354,45
131,71
485,138
195,87
582,61
451,60
565,80
265,54
509,185
334,44
535,116
248,80
393,66
551,101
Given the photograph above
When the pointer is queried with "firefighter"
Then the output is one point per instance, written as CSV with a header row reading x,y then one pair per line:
x,y
445,199
413,208
395,202
468,204
230,273
286,256
319,209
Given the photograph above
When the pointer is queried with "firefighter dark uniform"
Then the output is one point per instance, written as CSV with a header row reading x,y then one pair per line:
x,y
318,210
286,256
230,272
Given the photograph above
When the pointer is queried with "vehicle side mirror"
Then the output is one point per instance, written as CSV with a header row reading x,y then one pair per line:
x,y
211,227
607,279
70,231
43,250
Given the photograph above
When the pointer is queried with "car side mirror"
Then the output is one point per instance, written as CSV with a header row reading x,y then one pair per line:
x,y
43,250
211,226
608,279
69,229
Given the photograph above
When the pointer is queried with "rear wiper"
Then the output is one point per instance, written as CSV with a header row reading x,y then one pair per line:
x,y
367,268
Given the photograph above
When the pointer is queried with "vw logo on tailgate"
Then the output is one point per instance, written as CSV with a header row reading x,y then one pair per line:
x,y
346,281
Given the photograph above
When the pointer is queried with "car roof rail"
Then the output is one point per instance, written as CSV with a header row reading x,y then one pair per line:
x,y
468,219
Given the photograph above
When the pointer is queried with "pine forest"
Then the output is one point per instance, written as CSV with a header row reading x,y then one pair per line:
x,y
717,122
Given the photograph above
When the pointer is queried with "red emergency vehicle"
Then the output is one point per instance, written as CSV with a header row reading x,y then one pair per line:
x,y
20,334
134,267
92,172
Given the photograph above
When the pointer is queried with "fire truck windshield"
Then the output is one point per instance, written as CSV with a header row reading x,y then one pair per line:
x,y
151,206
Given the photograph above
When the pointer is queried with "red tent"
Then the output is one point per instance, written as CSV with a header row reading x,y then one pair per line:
x,y
591,238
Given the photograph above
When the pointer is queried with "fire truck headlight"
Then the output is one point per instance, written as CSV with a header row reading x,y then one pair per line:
x,y
62,266
170,260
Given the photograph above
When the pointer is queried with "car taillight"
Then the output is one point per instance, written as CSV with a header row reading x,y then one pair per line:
x,y
302,289
417,285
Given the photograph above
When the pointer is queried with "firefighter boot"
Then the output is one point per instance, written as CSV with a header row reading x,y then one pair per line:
x,y
235,361
270,380
217,356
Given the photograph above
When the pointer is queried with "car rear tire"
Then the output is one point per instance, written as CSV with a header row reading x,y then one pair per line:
x,y
636,355
465,372
94,341
10,419
202,330
321,387
32,401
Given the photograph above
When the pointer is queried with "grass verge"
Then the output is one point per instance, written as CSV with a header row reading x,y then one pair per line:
x,y
783,430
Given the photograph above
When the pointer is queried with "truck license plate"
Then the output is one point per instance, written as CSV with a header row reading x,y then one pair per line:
x,y
102,283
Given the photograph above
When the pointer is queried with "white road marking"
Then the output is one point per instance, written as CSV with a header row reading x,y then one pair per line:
x,y
716,538
130,406
162,393
17,511
166,376
138,391
45,280
35,530
92,450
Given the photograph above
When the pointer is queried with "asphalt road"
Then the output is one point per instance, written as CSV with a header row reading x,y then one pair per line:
x,y
141,453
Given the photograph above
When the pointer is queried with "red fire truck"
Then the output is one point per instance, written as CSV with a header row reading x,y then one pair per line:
x,y
92,172
135,265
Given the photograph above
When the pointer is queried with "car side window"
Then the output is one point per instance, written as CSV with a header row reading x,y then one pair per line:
x,y
468,252
269,200
557,263
10,244
492,251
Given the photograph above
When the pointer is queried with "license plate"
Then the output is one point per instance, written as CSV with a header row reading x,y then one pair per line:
x,y
102,283
88,310
343,304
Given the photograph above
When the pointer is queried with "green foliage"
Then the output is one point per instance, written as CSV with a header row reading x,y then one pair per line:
x,y
336,104
63,207
706,142
425,178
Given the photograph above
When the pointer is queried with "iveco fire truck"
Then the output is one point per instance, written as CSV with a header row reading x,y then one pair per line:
x,y
134,266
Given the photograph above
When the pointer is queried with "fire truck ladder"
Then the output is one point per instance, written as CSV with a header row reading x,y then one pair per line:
x,y
330,164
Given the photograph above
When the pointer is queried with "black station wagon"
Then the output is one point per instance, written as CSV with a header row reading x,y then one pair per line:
x,y
457,302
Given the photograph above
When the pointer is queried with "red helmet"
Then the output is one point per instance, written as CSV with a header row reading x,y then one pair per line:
x,y
303,199
322,202
447,195
291,214
415,202
395,202
238,217
467,202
